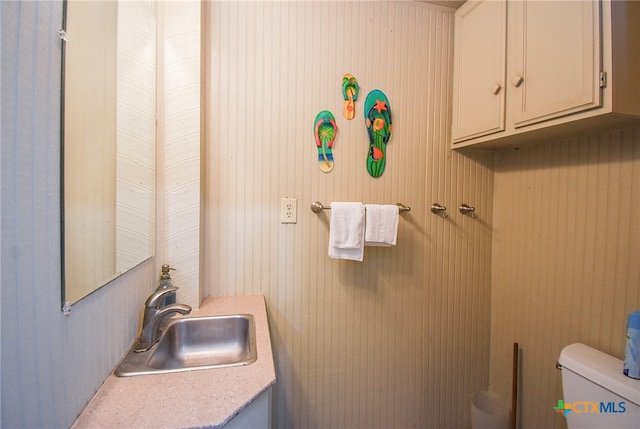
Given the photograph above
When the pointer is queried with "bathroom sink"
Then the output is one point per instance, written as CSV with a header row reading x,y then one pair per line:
x,y
196,343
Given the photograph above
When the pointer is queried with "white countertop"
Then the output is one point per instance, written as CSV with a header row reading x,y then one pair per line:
x,y
193,399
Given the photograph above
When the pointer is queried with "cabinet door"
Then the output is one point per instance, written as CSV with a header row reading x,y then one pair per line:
x,y
554,59
479,69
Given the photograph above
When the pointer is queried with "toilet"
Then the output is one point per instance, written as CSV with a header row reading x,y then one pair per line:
x,y
596,393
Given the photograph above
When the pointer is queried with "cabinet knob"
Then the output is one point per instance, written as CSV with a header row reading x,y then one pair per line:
x,y
517,80
496,88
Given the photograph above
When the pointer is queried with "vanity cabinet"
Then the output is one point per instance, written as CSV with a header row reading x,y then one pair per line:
x,y
527,70
233,397
257,415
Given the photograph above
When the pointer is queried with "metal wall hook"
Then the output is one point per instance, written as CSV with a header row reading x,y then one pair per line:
x,y
467,210
439,210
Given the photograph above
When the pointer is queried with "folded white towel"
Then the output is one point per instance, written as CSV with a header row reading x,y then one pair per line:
x,y
346,231
381,225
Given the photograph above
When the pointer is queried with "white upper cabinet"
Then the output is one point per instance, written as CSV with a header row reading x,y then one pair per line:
x,y
554,63
568,67
479,78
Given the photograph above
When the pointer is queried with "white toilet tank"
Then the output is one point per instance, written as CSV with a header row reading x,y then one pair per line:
x,y
596,393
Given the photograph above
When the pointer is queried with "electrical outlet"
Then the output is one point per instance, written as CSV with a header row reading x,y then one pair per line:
x,y
289,210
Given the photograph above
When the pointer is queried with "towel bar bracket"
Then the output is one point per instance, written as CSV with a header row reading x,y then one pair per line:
x,y
317,207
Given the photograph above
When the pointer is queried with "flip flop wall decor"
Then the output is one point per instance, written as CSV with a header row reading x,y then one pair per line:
x,y
350,91
378,122
325,130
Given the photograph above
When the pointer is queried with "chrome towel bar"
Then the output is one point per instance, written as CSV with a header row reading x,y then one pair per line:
x,y
317,207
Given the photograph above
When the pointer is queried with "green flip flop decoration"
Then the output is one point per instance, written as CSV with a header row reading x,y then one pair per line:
x,y
378,122
325,130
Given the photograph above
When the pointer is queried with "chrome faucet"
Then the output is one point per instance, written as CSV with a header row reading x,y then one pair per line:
x,y
154,314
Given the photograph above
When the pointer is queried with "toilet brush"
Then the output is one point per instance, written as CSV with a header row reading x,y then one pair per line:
x,y
514,387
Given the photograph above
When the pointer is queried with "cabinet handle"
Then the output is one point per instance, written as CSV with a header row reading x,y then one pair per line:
x,y
517,80
496,88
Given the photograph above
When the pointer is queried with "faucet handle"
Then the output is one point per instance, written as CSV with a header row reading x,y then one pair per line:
x,y
155,297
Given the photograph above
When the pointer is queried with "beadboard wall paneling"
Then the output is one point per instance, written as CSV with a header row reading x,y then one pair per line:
x,y
51,364
179,151
401,339
566,246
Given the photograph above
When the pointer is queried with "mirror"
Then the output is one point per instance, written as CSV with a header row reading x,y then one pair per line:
x,y
108,135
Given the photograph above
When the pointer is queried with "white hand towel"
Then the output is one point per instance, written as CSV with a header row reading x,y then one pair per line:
x,y
381,225
346,231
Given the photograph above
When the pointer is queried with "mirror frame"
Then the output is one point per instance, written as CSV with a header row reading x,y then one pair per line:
x,y
66,307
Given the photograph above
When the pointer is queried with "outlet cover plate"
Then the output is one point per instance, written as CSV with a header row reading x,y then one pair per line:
x,y
289,210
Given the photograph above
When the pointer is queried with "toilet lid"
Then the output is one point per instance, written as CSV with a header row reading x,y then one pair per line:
x,y
600,368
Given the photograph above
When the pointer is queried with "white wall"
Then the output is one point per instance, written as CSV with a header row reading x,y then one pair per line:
x,y
566,246
51,364
401,339
178,168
